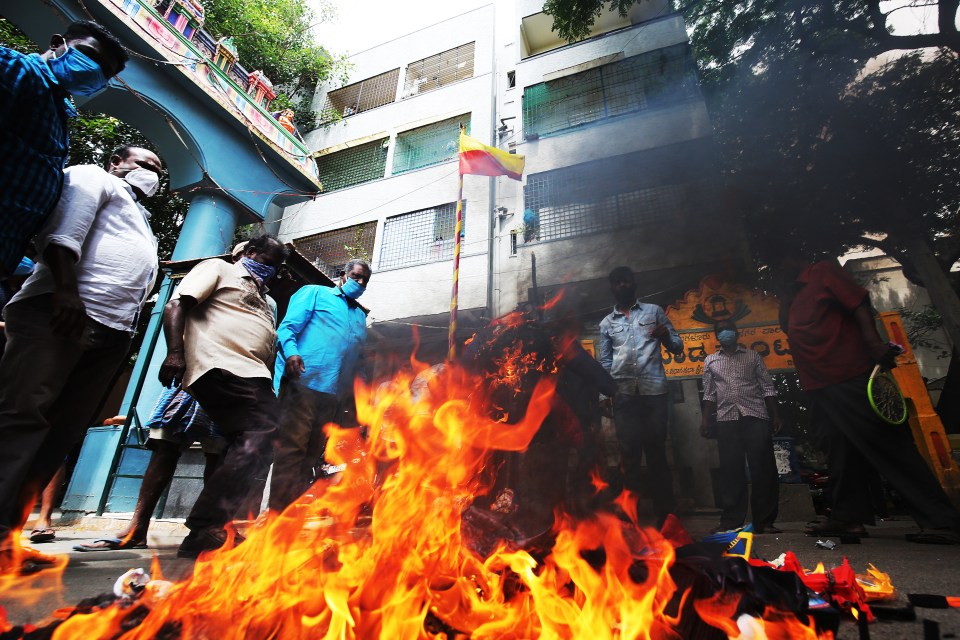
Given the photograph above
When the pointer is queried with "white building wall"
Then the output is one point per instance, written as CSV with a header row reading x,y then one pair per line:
x,y
423,289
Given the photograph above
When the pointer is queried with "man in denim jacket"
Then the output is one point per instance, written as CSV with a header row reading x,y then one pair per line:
x,y
630,339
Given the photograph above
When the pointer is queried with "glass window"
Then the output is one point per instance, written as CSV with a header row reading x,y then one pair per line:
x,y
429,145
355,165
331,250
649,80
361,96
438,70
420,236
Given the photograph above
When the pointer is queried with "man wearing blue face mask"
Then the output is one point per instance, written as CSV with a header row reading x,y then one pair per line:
x,y
70,326
34,112
321,340
737,386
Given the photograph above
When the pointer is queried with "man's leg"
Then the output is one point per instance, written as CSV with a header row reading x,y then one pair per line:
x,y
164,457
245,410
733,478
627,422
35,367
302,413
892,451
654,438
78,405
764,479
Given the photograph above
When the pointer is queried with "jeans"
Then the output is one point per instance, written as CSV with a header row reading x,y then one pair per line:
x,y
641,425
300,441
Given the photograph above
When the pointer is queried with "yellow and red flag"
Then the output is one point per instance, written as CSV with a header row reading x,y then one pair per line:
x,y
478,159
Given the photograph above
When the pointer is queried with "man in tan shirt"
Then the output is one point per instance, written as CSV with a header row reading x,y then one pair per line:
x,y
221,342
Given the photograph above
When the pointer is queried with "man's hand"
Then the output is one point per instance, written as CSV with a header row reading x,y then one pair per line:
x,y
294,367
69,313
606,407
777,423
172,369
883,354
705,431
660,332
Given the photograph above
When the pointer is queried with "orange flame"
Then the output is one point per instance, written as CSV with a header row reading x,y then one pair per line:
x,y
384,556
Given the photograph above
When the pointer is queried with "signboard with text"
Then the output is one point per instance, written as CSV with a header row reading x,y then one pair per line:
x,y
756,316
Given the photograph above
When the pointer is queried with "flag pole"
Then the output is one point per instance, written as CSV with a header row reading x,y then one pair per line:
x,y
451,334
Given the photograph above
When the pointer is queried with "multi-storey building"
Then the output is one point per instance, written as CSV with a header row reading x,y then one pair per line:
x,y
617,143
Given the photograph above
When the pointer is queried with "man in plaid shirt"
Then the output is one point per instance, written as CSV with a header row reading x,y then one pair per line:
x,y
737,386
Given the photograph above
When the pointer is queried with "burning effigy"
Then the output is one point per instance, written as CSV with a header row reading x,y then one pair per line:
x,y
422,535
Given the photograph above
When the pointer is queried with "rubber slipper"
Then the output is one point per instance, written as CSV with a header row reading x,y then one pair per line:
x,y
110,544
42,535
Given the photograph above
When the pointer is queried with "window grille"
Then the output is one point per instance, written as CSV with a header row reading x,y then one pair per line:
x,y
603,196
331,250
356,165
429,145
361,96
647,81
421,236
438,70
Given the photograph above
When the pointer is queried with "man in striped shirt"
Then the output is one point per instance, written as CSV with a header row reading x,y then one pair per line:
x,y
737,386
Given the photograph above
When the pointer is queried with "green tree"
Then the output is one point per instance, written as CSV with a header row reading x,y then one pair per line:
x,y
275,36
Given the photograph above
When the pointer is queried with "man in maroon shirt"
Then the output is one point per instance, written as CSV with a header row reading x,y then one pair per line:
x,y
835,345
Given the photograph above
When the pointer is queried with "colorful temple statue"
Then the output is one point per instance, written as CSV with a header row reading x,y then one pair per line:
x,y
260,89
225,55
186,16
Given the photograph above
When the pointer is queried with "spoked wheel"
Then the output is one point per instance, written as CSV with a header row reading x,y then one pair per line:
x,y
885,397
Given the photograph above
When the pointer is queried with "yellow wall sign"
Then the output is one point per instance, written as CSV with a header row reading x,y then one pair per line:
x,y
756,316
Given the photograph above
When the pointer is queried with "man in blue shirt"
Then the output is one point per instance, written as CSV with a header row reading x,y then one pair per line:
x,y
34,137
630,339
321,338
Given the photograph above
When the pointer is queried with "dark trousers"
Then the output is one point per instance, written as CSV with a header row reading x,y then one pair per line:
x,y
856,440
52,389
747,438
245,410
300,441
641,425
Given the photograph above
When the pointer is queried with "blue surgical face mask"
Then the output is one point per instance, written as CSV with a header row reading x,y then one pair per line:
x,y
352,289
727,337
77,73
260,271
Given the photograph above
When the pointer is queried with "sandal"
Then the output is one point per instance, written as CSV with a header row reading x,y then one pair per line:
x,y
934,536
111,544
42,535
834,529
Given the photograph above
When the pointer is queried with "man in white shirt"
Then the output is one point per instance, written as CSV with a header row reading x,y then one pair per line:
x,y
69,328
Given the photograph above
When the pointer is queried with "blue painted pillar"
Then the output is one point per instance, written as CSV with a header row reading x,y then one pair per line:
x,y
207,231
208,228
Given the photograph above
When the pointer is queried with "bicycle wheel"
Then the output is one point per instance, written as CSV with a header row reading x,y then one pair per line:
x,y
885,397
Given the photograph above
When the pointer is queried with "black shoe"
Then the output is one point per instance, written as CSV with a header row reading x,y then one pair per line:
x,y
200,540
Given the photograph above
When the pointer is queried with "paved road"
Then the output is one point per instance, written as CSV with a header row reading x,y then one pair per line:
x,y
913,568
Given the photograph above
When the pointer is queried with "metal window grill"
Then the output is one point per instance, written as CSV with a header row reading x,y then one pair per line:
x,y
600,196
331,250
417,237
356,165
429,145
646,81
438,70
361,96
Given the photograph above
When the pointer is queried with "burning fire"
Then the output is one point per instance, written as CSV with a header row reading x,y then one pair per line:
x,y
381,553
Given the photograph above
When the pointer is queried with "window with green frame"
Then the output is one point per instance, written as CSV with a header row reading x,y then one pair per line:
x,y
420,236
355,165
429,145
646,81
